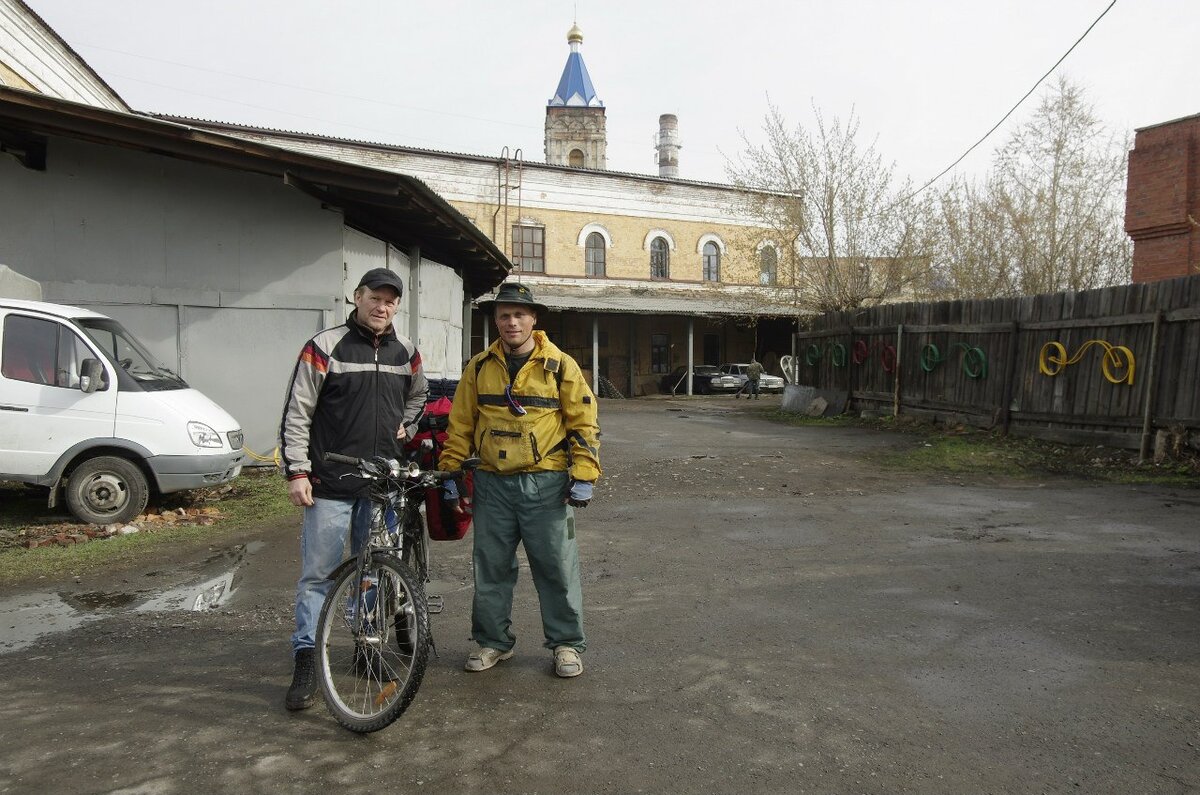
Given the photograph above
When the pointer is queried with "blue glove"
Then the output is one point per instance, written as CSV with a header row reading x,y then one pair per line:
x,y
450,490
580,493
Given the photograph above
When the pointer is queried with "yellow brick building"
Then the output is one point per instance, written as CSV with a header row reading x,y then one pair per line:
x,y
643,273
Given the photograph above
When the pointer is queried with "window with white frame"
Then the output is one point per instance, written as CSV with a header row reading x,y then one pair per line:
x,y
712,262
594,254
768,266
660,259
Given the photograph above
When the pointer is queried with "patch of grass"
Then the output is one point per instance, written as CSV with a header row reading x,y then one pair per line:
x,y
259,495
965,451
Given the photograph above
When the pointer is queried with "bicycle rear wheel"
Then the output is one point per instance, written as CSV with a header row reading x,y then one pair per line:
x,y
373,641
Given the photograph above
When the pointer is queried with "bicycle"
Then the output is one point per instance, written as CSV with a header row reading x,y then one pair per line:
x,y
373,634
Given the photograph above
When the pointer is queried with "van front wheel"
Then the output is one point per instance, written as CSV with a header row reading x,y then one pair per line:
x,y
107,490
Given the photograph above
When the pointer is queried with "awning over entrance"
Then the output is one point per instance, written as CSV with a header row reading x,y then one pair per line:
x,y
665,300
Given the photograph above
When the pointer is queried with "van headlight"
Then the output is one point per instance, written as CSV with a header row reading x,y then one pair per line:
x,y
202,435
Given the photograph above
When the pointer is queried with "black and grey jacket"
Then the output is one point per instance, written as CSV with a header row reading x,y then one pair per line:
x,y
349,394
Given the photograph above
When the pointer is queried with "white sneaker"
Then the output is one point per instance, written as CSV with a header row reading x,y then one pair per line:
x,y
484,658
567,662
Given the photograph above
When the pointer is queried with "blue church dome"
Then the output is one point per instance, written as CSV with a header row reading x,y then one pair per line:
x,y
575,89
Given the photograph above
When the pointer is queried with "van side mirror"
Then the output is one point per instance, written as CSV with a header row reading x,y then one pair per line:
x,y
91,373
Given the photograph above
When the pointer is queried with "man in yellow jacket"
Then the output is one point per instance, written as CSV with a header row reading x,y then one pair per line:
x,y
524,408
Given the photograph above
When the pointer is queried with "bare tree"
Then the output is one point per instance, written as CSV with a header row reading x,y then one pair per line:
x,y
845,236
973,253
1049,216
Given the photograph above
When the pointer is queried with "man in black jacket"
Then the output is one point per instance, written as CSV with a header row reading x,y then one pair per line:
x,y
358,390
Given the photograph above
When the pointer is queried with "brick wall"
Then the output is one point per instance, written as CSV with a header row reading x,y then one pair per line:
x,y
1162,201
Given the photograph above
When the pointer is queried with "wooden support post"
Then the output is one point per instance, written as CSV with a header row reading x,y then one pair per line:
x,y
632,355
595,354
1151,391
1010,369
896,397
849,369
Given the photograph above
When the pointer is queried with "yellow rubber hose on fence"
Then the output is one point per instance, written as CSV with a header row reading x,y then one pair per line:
x,y
1053,359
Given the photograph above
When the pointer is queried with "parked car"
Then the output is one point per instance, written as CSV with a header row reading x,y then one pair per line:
x,y
85,409
706,379
766,382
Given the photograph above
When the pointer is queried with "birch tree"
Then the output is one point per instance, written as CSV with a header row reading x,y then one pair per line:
x,y
1049,216
847,235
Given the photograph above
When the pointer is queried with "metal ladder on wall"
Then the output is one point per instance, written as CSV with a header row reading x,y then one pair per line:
x,y
510,171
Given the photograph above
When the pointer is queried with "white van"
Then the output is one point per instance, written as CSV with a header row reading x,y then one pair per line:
x,y
82,403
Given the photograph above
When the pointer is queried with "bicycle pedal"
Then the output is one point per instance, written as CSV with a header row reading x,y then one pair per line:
x,y
436,603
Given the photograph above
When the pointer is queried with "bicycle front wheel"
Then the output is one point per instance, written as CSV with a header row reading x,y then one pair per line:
x,y
373,641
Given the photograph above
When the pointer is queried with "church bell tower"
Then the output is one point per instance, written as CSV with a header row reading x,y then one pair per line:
x,y
575,130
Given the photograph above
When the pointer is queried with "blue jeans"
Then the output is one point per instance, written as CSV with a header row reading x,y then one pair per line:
x,y
322,548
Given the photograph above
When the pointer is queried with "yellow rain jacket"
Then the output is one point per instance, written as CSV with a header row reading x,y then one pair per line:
x,y
559,431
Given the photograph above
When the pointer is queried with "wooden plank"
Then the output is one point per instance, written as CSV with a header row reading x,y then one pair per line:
x,y
870,330
961,328
1150,390
1077,419
1092,322
807,335
1127,441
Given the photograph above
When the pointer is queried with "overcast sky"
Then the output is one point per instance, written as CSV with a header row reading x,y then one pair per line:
x,y
927,77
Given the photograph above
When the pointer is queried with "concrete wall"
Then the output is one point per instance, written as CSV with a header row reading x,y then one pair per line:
x,y
222,274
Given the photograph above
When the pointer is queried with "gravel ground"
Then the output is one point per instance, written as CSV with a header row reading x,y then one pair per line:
x,y
766,612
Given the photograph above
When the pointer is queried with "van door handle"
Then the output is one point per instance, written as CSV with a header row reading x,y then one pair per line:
x,y
13,408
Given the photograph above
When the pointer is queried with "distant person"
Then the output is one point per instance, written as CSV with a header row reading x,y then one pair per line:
x,y
358,390
524,407
754,372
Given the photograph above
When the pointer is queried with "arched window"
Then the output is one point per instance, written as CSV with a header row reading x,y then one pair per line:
x,y
593,255
712,262
768,265
575,159
660,259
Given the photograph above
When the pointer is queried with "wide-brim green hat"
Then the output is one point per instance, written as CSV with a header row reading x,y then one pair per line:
x,y
511,293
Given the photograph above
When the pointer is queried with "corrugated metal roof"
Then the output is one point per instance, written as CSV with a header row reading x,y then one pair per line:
x,y
235,128
395,207
649,301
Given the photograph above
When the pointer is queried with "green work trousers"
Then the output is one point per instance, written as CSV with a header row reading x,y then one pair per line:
x,y
526,508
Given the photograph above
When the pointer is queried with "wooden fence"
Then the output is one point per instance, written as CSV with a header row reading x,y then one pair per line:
x,y
1109,366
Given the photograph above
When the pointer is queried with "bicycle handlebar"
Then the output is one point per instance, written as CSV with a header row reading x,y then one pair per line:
x,y
431,474
343,459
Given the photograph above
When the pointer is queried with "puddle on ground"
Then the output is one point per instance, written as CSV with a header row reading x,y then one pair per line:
x,y
27,618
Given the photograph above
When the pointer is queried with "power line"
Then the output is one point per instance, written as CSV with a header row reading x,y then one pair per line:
x,y
1013,109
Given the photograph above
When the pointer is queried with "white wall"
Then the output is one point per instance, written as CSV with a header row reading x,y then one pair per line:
x,y
222,274
433,290
36,55
469,178
441,320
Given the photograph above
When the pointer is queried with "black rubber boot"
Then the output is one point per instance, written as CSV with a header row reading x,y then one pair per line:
x,y
304,681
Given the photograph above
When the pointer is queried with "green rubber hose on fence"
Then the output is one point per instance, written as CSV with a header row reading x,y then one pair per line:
x,y
837,354
974,360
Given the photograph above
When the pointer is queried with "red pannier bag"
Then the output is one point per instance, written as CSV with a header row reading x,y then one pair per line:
x,y
444,523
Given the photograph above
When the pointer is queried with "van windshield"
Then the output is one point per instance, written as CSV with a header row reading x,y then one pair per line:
x,y
138,367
